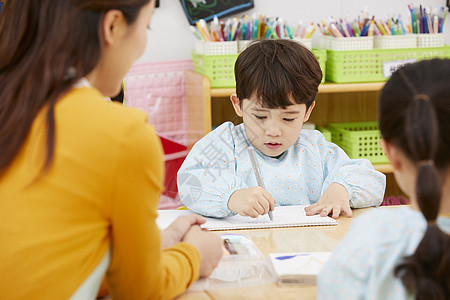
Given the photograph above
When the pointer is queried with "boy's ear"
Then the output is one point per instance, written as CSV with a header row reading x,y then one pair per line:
x,y
391,153
236,105
308,112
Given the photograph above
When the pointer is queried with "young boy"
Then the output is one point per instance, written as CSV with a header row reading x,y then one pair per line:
x,y
276,85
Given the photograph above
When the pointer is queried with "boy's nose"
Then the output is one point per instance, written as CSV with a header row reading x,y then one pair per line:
x,y
273,130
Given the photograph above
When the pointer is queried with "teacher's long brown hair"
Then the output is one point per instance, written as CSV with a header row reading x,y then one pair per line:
x,y
46,46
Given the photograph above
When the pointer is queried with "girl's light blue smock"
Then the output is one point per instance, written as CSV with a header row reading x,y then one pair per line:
x,y
362,266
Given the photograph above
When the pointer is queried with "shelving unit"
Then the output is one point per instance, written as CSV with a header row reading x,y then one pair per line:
x,y
357,95
352,102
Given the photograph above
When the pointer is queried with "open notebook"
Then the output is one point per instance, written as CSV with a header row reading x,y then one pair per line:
x,y
298,267
283,216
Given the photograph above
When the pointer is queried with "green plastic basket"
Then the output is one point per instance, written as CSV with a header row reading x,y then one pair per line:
x,y
367,65
220,68
326,133
359,140
321,55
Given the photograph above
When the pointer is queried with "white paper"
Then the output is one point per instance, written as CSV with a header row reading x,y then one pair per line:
x,y
283,216
299,263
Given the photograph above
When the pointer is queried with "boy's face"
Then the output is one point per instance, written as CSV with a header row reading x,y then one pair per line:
x,y
271,131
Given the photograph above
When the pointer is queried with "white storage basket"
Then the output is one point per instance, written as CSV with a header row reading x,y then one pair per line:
x,y
216,48
395,41
427,40
346,43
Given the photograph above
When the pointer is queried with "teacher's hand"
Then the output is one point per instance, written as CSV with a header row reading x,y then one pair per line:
x,y
178,229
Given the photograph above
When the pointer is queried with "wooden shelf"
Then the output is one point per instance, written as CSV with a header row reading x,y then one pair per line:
x,y
223,92
383,168
329,87
326,87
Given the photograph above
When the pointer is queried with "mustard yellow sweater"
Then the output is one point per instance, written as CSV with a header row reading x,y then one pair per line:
x,y
101,192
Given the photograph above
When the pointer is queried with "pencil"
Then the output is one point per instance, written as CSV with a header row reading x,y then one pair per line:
x,y
251,152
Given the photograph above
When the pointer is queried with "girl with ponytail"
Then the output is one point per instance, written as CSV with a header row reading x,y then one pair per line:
x,y
404,253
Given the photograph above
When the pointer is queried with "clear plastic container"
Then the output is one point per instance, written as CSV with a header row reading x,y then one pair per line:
x,y
246,266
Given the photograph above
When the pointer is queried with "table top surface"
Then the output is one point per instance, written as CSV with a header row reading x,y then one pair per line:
x,y
293,239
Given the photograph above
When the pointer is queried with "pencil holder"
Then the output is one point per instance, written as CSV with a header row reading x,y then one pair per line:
x,y
395,41
216,48
305,42
425,40
242,44
346,43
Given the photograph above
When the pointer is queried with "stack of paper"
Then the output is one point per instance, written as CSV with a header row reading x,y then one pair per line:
x,y
283,216
298,267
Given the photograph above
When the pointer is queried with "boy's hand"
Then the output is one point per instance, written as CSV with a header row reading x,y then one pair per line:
x,y
333,201
251,202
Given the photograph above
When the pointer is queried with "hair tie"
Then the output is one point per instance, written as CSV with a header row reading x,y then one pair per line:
x,y
421,97
432,223
428,162
70,74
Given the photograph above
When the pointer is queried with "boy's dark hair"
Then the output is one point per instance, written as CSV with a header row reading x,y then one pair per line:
x,y
414,112
277,72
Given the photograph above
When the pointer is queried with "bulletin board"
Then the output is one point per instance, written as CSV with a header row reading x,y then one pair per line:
x,y
207,9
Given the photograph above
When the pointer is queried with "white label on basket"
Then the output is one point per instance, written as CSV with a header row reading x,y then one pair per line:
x,y
392,66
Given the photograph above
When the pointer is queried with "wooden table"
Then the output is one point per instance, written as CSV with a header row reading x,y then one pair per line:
x,y
317,238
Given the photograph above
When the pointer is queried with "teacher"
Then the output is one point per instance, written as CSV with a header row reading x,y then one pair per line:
x,y
80,177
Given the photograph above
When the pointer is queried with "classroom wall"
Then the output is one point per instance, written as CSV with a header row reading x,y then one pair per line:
x,y
171,39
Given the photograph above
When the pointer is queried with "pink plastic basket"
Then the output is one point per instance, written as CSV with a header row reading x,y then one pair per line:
x,y
174,107
159,90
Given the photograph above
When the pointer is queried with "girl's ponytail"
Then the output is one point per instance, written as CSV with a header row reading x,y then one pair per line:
x,y
426,273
